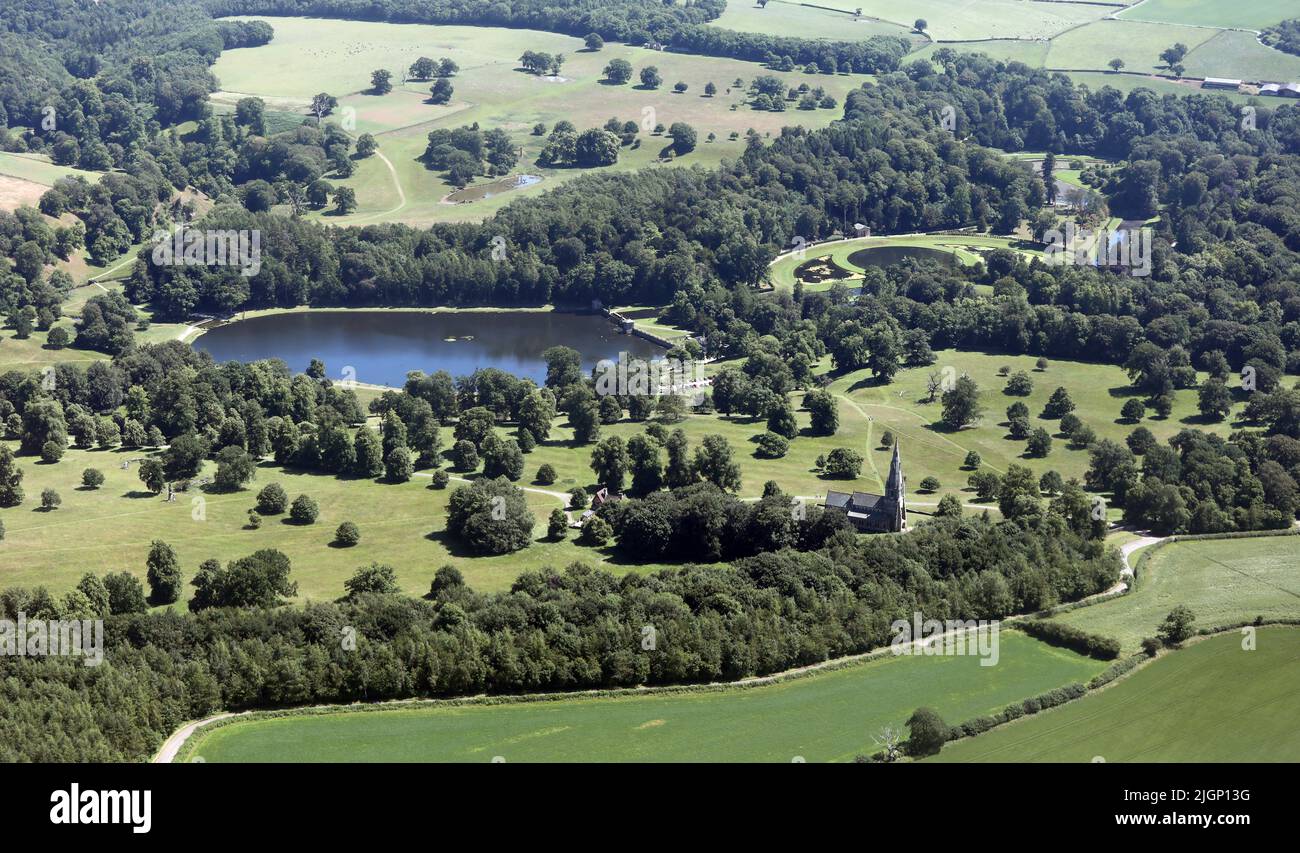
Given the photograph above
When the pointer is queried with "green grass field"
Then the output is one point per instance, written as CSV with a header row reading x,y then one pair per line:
x,y
830,716
797,20
1223,581
1212,701
312,55
1255,14
1137,36
1239,55
981,19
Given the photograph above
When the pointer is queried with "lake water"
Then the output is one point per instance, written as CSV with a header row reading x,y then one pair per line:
x,y
883,256
380,347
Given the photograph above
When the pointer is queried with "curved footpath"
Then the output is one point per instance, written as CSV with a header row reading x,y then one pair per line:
x,y
172,745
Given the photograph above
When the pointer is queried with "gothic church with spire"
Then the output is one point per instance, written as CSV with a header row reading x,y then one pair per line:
x,y
870,513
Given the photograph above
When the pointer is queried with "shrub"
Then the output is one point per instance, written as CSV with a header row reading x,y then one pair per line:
x,y
50,499
1151,646
931,484
439,479
92,478
304,510
254,520
347,534
52,451
772,446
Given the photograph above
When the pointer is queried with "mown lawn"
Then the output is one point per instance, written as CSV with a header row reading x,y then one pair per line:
x,y
831,716
1222,580
1211,701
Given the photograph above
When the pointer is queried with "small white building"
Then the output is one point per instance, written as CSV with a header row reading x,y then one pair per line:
x,y
1221,83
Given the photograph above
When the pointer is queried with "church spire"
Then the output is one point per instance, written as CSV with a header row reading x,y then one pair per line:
x,y
894,486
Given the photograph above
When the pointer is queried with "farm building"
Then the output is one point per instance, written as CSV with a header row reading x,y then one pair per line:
x,y
870,513
1221,83
1281,90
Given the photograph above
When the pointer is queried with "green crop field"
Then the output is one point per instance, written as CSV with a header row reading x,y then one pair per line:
x,y
1255,14
830,716
1212,701
1223,581
308,56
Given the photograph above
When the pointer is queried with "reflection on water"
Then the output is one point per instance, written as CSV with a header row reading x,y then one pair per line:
x,y
380,347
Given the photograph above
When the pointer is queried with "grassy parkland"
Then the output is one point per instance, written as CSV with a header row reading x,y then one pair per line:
x,y
403,525
308,56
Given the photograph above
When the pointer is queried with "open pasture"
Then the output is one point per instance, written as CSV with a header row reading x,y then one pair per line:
x,y
1211,701
1222,580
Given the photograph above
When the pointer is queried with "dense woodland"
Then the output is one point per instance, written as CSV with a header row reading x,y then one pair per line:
x,y
1284,36
561,630
1223,298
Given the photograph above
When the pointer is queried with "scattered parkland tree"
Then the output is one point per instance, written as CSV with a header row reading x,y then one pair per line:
x,y
347,534
303,510
163,573
961,404
618,71
381,81
441,91
593,42
490,517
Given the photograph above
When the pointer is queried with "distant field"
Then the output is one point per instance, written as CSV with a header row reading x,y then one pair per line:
x,y
980,19
1221,580
831,716
1212,701
802,21
1254,14
1239,55
1138,44
24,178
312,55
